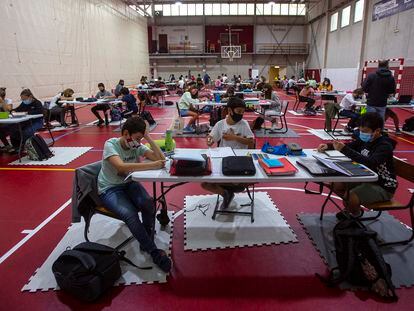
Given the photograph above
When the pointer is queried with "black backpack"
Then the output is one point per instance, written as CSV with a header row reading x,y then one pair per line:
x,y
408,125
360,261
257,123
146,115
89,270
215,116
37,149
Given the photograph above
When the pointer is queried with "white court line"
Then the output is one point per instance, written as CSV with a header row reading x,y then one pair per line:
x,y
27,231
33,232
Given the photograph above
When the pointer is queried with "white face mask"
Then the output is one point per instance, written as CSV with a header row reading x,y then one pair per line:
x,y
132,144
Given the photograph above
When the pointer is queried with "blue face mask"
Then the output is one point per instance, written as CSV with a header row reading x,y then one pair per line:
x,y
27,102
365,137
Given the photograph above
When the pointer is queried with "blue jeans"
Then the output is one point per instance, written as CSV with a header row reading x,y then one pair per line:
x,y
379,110
126,201
28,129
350,114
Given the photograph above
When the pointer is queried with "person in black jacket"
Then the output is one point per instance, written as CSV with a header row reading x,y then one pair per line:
x,y
32,106
375,151
379,86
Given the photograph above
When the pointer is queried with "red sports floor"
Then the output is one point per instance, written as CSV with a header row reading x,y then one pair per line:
x,y
266,277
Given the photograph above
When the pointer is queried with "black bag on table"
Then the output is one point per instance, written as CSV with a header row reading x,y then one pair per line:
x,y
238,166
89,269
146,115
37,149
360,261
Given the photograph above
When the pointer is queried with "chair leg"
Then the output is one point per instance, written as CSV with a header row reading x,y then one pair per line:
x,y
324,203
216,208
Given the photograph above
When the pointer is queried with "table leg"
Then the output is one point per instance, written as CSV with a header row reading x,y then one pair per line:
x,y
21,141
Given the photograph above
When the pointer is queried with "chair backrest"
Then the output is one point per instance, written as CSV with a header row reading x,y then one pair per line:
x,y
404,170
284,106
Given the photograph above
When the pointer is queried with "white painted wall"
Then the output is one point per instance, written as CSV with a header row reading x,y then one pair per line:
x,y
176,34
391,37
283,34
49,45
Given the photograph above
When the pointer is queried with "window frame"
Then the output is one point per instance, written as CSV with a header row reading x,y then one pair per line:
x,y
336,14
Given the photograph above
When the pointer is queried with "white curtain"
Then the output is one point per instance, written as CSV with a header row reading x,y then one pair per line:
x,y
50,45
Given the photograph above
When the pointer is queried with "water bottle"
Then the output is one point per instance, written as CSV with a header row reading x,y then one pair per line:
x,y
168,141
217,97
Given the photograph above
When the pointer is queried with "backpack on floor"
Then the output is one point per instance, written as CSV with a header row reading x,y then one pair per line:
x,y
202,129
168,103
116,114
408,125
37,149
89,269
257,123
146,115
360,261
215,116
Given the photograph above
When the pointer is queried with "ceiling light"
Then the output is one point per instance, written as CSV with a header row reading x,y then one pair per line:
x,y
178,3
272,3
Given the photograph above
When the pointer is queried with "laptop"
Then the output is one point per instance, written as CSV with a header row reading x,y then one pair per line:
x,y
405,99
316,168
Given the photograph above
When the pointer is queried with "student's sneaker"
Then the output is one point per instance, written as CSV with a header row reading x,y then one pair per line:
x,y
228,196
100,123
342,215
160,258
188,129
398,132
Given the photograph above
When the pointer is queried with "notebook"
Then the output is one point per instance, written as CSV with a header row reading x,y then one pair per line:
x,y
271,163
287,168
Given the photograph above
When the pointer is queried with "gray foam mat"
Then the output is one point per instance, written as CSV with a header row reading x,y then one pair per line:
x,y
289,134
400,257
111,232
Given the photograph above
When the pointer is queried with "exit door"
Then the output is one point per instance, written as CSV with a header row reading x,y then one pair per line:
x,y
162,43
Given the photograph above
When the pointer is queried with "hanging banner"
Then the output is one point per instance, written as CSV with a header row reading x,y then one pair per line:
x,y
387,8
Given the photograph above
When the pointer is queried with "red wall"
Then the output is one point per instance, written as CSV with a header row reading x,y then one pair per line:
x,y
212,35
313,73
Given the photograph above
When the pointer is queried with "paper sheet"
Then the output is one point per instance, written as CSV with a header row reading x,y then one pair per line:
x,y
221,152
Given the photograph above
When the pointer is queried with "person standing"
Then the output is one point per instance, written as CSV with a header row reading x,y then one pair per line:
x,y
378,86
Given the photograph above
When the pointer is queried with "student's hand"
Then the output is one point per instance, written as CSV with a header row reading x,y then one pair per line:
x,y
210,141
229,136
322,147
158,164
338,145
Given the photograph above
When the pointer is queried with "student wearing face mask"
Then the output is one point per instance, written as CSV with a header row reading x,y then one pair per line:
x,y
231,132
5,106
118,88
187,109
32,106
102,93
126,198
376,152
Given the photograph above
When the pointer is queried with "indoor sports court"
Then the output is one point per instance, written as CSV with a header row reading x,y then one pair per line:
x,y
221,155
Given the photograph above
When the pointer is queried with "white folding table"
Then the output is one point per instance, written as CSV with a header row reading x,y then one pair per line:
x,y
19,121
302,176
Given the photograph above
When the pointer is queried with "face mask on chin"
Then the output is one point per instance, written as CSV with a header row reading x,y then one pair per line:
x,y
132,143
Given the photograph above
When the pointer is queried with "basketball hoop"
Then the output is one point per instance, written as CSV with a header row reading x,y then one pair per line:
x,y
231,52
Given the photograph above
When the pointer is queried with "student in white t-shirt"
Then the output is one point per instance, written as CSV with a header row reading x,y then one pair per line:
x,y
231,132
347,109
